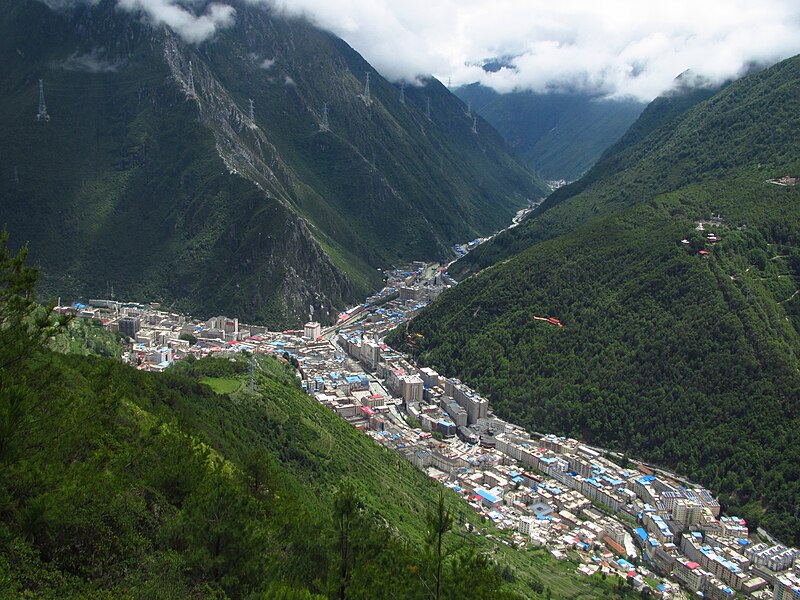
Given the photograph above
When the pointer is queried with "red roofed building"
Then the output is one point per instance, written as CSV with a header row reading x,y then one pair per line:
x,y
690,574
612,545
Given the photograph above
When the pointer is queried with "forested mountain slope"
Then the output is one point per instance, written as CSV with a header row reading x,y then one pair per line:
x,y
151,176
655,123
675,348
559,135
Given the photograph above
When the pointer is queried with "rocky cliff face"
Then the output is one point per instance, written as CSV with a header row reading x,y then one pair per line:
x,y
207,175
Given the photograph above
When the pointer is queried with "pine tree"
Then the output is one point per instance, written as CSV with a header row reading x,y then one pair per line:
x,y
346,508
25,327
439,523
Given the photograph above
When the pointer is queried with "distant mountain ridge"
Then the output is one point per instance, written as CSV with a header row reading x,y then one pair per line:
x,y
151,177
674,265
559,134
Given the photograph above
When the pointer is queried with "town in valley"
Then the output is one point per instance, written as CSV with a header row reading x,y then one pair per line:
x,y
606,513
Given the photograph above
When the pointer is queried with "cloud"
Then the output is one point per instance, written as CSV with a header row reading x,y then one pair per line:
x,y
91,62
267,63
184,17
181,18
616,47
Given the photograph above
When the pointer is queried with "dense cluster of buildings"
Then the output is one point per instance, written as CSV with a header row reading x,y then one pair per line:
x,y
550,491
159,338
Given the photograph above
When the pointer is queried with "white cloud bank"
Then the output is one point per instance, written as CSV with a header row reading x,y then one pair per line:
x,y
180,17
194,20
617,47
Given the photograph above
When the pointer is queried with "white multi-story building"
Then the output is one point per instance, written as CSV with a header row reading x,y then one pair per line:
x,y
787,587
312,330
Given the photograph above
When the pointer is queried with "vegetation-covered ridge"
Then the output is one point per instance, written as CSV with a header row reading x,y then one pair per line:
x,y
116,483
152,176
681,357
559,135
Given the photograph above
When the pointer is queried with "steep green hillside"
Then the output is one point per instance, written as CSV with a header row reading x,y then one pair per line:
x,y
137,182
558,135
654,124
117,483
681,359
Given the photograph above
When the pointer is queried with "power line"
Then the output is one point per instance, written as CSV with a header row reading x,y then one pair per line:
x,y
106,80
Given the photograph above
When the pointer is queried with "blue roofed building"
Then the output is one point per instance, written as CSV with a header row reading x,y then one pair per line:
x,y
488,499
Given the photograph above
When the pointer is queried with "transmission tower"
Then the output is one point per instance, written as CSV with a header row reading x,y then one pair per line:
x,y
252,112
366,95
474,124
428,108
191,79
252,373
42,114
325,125
402,93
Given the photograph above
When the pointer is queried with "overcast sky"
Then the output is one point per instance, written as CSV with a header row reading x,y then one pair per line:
x,y
616,47
623,47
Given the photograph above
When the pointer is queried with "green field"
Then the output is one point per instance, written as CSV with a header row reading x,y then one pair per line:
x,y
222,385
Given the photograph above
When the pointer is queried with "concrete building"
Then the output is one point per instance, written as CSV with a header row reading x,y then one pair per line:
x,y
690,574
370,353
409,293
429,377
787,587
775,558
445,427
476,406
411,388
687,512
312,330
489,499
716,590
657,526
129,326
225,324
146,337
455,412
161,356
